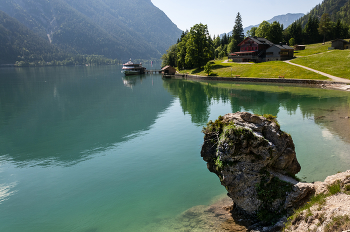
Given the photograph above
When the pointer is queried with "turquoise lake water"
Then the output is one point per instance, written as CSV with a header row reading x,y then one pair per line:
x,y
85,149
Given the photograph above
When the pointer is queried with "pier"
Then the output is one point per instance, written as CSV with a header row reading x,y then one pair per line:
x,y
153,71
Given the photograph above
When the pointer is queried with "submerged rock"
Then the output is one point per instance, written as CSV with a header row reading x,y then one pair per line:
x,y
255,161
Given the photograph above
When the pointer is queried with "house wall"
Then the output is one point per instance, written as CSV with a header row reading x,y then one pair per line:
x,y
272,53
263,47
299,47
289,54
170,71
338,44
249,45
275,53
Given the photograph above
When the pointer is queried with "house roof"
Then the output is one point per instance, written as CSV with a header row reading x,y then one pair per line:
x,y
257,40
242,52
167,67
284,47
342,40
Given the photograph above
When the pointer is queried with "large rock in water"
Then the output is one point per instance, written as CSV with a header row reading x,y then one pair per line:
x,y
255,161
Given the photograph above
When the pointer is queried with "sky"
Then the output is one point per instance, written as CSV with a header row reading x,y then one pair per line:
x,y
220,15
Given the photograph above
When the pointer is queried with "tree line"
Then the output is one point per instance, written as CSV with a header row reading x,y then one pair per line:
x,y
195,47
89,60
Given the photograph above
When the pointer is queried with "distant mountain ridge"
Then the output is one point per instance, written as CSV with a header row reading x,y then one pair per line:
x,y
286,20
113,28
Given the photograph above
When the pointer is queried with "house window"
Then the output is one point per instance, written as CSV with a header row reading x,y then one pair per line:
x,y
269,53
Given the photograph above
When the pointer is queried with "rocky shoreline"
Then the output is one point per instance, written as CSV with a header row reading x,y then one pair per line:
x,y
223,216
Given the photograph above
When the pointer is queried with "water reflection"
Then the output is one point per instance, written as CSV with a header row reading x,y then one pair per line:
x,y
317,119
328,108
131,81
335,120
62,114
6,190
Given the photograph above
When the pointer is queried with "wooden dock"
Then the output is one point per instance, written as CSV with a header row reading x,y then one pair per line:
x,y
153,71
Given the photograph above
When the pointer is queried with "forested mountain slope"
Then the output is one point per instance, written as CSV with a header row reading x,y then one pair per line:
x,y
337,9
113,28
17,41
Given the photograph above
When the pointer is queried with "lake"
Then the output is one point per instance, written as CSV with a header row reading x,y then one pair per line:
x,y
86,149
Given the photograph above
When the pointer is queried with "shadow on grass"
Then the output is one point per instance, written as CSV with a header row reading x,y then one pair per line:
x,y
218,66
214,67
197,70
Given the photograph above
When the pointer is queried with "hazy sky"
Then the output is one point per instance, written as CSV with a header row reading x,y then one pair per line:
x,y
220,15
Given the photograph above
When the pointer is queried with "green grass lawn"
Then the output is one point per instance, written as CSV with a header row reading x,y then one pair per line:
x,y
271,69
312,49
335,62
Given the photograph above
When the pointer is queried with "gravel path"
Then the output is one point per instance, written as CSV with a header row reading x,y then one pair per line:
x,y
334,78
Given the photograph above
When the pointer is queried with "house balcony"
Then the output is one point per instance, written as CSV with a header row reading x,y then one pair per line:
x,y
244,56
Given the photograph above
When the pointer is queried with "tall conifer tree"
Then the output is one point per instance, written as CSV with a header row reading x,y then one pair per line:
x,y
237,33
325,25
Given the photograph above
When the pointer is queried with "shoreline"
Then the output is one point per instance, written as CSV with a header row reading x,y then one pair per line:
x,y
317,83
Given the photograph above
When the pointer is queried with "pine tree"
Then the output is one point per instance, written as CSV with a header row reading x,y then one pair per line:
x,y
311,31
237,33
325,25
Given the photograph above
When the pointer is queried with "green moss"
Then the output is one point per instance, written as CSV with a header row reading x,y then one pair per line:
x,y
269,190
334,188
219,164
213,127
272,118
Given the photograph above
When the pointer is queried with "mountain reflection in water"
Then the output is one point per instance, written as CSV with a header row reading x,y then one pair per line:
x,y
49,116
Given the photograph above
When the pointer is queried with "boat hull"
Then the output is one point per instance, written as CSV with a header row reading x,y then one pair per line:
x,y
132,72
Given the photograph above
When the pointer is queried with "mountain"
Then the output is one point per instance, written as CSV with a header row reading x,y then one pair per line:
x,y
337,9
113,28
286,20
17,41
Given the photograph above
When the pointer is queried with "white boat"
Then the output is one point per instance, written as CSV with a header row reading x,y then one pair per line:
x,y
130,68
